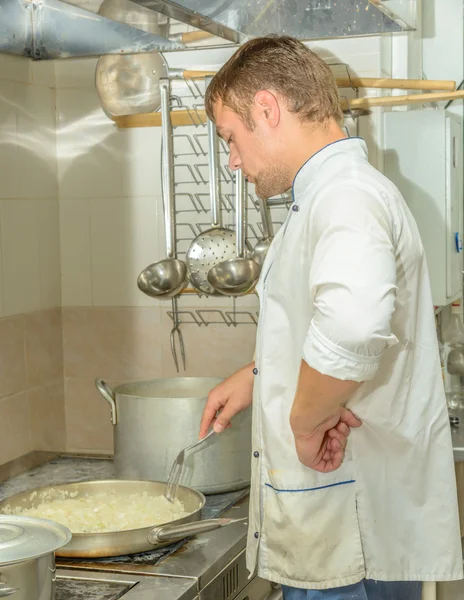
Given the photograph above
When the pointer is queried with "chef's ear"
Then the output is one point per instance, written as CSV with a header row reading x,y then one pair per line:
x,y
267,108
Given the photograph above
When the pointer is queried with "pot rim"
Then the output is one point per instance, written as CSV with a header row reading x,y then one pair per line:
x,y
122,390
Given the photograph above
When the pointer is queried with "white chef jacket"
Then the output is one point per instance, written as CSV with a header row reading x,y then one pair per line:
x,y
345,287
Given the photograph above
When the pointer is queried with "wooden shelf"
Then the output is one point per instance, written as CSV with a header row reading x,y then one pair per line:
x,y
198,117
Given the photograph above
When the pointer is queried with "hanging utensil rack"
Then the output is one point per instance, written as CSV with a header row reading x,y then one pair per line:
x,y
192,215
192,202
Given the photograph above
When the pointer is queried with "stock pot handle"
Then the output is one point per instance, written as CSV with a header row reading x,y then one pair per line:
x,y
108,395
172,533
6,590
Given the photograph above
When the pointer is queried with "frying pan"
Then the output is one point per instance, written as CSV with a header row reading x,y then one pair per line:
x,y
121,543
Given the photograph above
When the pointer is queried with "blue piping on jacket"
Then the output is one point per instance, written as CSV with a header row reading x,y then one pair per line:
x,y
322,487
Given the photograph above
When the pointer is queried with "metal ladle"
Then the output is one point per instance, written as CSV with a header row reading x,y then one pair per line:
x,y
165,278
263,245
236,276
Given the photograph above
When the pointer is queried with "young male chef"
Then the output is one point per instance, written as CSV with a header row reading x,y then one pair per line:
x,y
353,489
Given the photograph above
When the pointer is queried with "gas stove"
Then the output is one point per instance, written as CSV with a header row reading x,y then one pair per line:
x,y
208,567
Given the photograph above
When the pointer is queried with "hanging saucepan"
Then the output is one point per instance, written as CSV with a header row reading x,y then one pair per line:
x,y
129,84
121,543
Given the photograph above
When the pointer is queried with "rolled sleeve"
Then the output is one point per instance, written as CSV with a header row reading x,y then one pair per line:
x,y
352,285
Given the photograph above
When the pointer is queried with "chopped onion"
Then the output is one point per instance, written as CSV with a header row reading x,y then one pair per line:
x,y
103,512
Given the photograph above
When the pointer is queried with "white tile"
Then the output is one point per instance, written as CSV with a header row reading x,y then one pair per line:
x,y
124,234
49,253
76,277
89,146
36,141
9,156
43,73
20,249
141,172
75,72
15,68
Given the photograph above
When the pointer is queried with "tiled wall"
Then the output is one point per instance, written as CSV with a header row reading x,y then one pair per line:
x,y
31,359
111,228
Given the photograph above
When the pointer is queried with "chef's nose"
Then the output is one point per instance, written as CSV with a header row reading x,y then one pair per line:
x,y
234,160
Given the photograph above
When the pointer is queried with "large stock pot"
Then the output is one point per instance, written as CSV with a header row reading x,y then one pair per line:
x,y
155,419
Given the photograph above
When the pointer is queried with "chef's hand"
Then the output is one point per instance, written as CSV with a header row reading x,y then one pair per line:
x,y
324,449
231,396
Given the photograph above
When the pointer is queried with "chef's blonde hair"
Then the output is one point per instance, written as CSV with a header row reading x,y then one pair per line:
x,y
283,65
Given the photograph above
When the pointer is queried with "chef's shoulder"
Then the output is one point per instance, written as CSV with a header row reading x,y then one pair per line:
x,y
361,198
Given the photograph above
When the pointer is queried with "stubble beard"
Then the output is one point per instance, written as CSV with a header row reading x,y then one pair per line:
x,y
272,181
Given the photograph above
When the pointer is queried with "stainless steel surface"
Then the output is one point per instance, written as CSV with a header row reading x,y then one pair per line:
x,y
24,463
130,13
238,20
165,278
140,588
155,419
116,543
455,362
263,245
216,244
176,469
130,83
206,556
257,589
52,29
236,276
457,435
30,579
23,538
55,29
213,561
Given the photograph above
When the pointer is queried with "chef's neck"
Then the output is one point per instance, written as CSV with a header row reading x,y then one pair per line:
x,y
308,139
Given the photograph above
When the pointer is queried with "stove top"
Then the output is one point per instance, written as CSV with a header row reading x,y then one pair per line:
x,y
208,567
215,505
81,589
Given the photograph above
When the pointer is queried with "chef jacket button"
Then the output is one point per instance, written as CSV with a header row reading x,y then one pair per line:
x,y
256,534
295,208
255,371
256,454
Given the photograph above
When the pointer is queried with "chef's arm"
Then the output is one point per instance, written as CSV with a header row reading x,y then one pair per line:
x,y
318,399
352,282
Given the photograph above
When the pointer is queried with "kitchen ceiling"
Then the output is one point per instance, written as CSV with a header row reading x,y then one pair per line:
x,y
45,29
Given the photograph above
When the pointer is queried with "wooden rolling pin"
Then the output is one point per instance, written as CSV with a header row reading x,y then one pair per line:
x,y
356,82
184,117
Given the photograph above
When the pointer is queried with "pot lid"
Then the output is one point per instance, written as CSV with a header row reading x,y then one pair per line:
x,y
23,538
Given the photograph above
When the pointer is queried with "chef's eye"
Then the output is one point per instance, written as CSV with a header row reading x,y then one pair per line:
x,y
229,141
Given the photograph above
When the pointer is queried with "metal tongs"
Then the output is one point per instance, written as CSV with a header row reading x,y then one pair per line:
x,y
172,484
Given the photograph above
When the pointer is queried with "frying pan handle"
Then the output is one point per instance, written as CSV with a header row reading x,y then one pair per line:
x,y
172,533
109,396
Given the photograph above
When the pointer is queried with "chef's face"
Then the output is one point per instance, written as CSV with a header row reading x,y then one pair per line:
x,y
253,150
